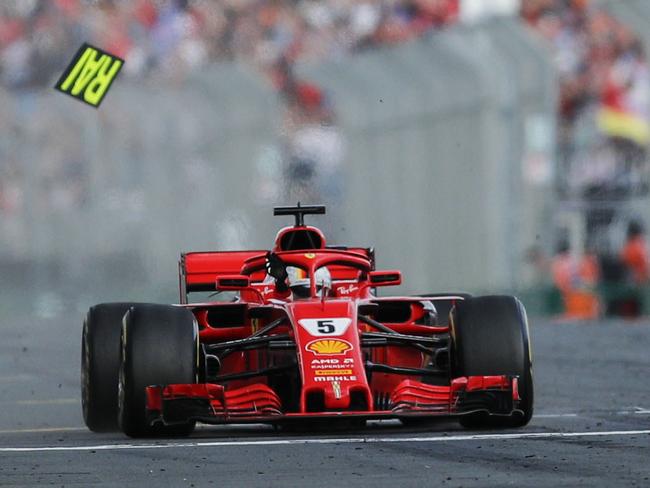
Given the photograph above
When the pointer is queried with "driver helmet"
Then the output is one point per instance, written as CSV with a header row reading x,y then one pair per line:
x,y
299,281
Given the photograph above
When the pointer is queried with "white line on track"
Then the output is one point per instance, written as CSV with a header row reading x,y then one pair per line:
x,y
634,411
554,415
344,440
41,430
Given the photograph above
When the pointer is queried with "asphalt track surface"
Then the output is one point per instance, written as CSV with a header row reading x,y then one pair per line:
x,y
591,428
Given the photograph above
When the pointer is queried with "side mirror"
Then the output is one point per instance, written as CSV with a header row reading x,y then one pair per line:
x,y
385,278
232,282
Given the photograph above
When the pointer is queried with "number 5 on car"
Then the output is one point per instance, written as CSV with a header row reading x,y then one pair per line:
x,y
90,74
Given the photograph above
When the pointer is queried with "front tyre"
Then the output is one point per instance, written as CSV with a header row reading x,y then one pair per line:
x,y
100,364
159,346
490,337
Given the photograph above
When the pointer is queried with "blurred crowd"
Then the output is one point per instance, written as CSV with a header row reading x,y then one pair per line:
x,y
171,39
604,96
172,36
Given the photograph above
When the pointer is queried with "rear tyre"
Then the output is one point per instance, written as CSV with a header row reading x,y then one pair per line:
x,y
489,336
100,363
159,346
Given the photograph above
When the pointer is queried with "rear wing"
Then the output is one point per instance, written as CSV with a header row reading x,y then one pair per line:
x,y
198,271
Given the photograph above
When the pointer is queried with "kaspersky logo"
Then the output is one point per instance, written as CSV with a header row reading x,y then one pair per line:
x,y
90,74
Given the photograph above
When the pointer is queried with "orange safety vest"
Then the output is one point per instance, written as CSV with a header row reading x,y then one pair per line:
x,y
635,256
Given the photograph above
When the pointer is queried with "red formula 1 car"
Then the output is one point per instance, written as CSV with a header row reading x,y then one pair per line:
x,y
302,336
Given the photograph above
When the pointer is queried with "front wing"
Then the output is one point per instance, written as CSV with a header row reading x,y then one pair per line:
x,y
258,403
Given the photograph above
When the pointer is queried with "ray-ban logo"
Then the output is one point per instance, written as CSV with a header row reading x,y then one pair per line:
x,y
90,74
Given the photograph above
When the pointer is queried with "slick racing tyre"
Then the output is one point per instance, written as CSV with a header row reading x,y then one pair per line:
x,y
158,346
100,363
489,336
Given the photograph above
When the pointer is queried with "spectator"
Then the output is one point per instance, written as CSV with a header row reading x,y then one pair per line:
x,y
564,269
576,279
312,146
635,254
626,275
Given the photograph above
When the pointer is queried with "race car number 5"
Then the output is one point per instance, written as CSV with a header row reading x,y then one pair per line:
x,y
326,327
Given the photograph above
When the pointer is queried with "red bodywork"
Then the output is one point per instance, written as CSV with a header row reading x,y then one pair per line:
x,y
268,357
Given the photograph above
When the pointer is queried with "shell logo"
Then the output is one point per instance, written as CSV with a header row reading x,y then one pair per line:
x,y
329,346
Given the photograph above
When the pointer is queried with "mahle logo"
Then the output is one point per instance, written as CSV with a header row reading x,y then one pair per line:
x,y
89,75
